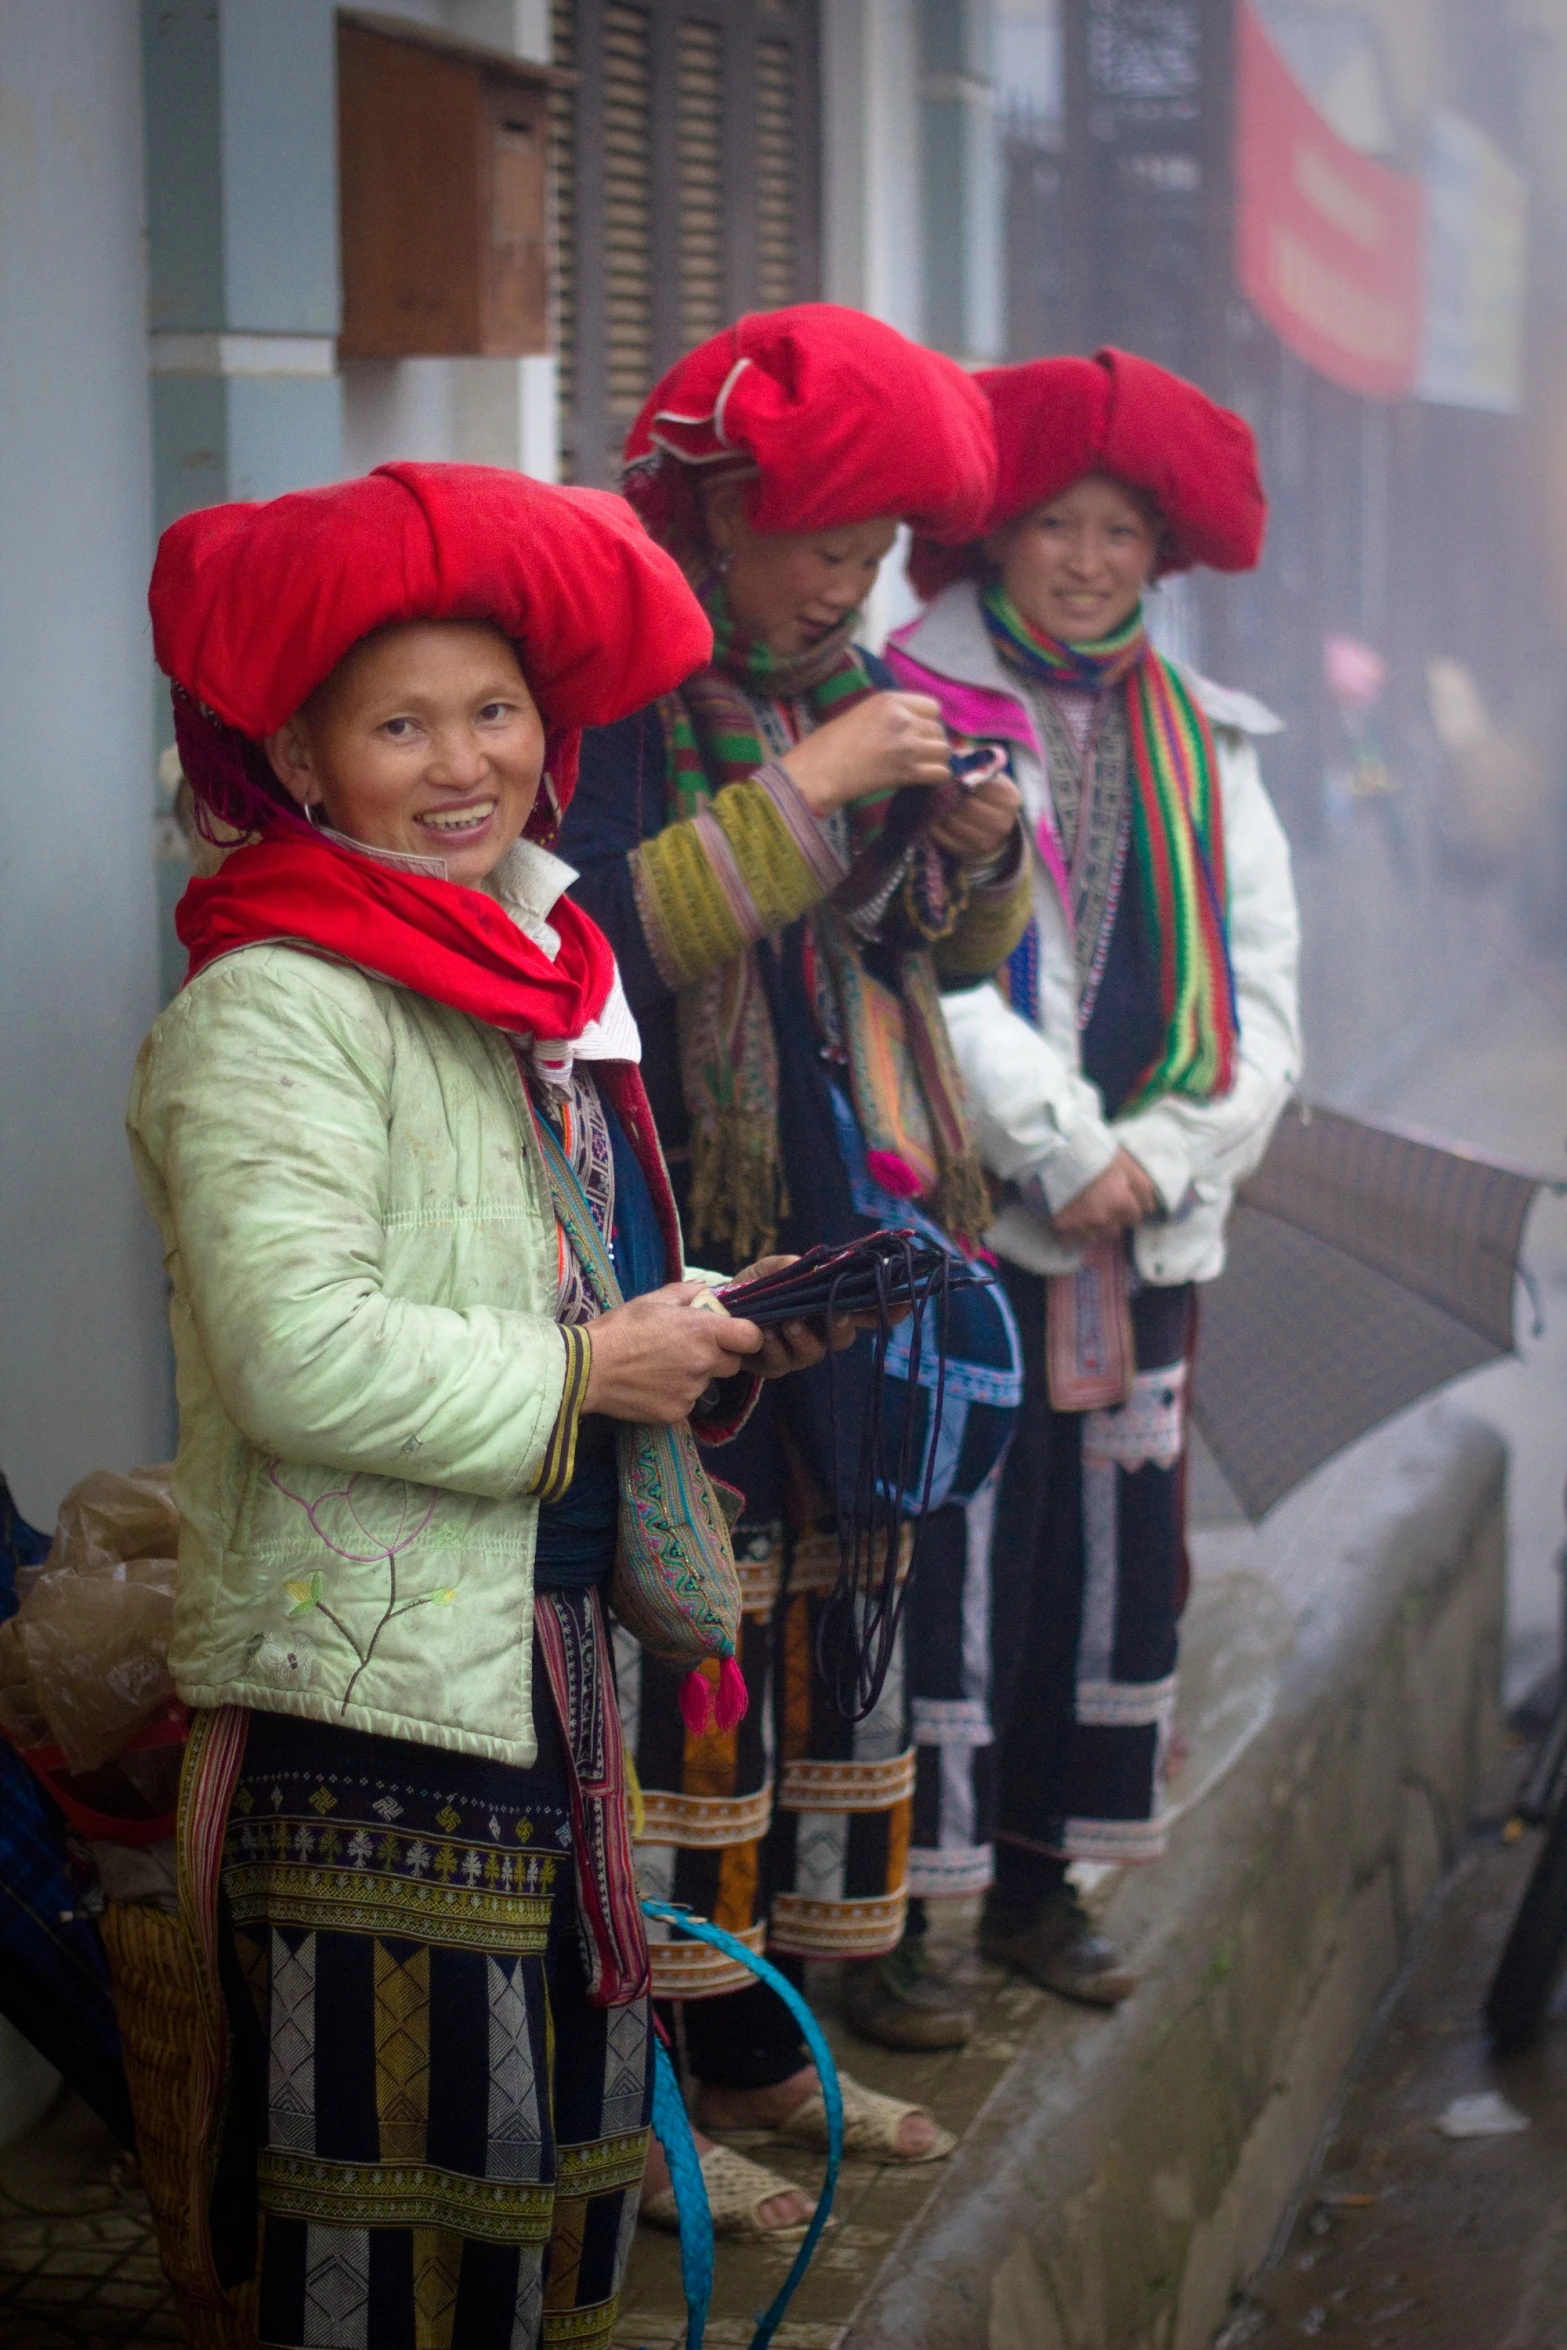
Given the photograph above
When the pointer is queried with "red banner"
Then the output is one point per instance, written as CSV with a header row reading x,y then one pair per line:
x,y
1330,243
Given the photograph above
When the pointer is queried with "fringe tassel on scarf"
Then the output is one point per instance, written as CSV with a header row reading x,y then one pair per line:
x,y
1177,831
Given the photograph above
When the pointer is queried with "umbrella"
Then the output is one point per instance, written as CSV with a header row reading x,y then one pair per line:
x,y
1366,1267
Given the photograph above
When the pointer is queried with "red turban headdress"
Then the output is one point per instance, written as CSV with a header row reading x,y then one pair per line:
x,y
1057,419
833,417
254,605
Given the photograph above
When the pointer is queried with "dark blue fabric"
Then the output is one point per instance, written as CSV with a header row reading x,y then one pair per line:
x,y
1052,1768
637,1241
54,1980
1125,1032
21,1545
576,1535
619,803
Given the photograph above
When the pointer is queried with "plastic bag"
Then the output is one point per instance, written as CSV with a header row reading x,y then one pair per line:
x,y
107,1519
97,1650
86,1657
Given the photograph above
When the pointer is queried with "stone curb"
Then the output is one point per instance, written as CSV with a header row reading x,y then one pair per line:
x,y
1128,2171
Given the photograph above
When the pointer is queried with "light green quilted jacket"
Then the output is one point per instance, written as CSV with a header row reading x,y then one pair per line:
x,y
358,1230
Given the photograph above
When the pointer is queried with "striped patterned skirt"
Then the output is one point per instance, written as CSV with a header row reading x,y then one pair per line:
x,y
792,1830
1088,1573
438,2133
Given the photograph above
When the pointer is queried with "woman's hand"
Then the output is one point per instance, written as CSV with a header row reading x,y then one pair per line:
x,y
884,741
981,824
1116,1200
794,1346
652,1359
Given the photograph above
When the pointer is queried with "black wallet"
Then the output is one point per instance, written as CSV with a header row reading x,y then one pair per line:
x,y
887,1269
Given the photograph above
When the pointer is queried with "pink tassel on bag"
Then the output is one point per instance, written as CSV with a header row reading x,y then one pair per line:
x,y
893,1173
706,1707
733,1696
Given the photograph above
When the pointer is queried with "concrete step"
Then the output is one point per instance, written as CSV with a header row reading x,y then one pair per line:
x,y
1120,2175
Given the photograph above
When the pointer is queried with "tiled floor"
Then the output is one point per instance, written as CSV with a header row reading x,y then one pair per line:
x,y
78,2265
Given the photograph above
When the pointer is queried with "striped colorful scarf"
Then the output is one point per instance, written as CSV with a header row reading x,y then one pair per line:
x,y
710,724
1177,832
906,1089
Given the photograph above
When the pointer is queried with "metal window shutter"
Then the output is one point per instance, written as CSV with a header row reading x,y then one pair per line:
x,y
777,147
699,133
563,175
628,299
686,170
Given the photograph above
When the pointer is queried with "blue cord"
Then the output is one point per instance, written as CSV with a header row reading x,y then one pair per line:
x,y
700,2265
673,2132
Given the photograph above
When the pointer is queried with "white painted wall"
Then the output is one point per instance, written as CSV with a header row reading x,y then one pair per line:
x,y
870,75
83,1379
871,246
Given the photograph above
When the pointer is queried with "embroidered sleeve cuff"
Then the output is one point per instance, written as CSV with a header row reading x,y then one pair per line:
x,y
991,924
806,830
560,1454
713,884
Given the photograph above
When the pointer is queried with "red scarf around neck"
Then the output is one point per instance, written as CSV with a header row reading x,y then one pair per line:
x,y
455,945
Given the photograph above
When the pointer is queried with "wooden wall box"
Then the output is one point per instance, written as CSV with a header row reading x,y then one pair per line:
x,y
443,181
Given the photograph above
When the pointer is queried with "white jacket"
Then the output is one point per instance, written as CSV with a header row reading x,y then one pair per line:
x,y
1037,1117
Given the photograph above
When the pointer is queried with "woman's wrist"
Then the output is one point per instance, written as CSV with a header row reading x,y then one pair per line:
x,y
998,868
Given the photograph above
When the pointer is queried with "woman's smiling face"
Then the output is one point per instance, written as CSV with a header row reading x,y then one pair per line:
x,y
424,739
1077,565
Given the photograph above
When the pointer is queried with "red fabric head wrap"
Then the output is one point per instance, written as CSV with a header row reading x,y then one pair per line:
x,y
837,418
253,606
1057,419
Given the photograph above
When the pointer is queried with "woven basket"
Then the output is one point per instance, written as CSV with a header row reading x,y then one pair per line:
x,y
155,1999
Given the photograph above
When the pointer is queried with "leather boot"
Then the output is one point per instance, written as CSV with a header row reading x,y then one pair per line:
x,y
1055,1948
897,2001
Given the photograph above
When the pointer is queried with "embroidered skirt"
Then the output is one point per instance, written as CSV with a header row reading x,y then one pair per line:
x,y
949,1673
792,1830
1088,1574
442,2138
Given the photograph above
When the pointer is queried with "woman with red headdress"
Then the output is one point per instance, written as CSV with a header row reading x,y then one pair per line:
x,y
435,1354
1125,1072
784,918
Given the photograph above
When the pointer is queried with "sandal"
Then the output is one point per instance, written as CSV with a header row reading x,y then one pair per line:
x,y
871,2123
736,2191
